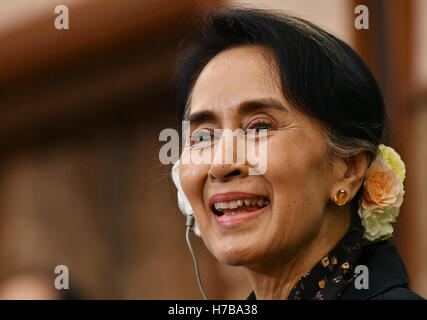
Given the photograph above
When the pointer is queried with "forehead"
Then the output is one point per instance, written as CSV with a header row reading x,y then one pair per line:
x,y
235,75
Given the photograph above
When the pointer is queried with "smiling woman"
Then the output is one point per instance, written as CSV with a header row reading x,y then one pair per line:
x,y
295,229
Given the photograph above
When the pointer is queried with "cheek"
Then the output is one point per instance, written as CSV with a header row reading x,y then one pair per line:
x,y
298,163
298,178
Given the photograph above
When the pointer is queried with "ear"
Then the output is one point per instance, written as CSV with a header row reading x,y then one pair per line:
x,y
349,173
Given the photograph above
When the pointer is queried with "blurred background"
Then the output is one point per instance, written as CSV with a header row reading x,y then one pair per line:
x,y
81,110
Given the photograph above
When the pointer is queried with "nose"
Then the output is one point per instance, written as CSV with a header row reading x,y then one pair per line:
x,y
226,172
235,167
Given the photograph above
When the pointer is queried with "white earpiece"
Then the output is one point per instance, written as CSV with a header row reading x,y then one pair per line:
x,y
191,223
183,203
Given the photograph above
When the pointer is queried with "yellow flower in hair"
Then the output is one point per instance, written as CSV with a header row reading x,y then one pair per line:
x,y
392,159
378,223
382,194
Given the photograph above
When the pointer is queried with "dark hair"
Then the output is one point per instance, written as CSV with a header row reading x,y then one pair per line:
x,y
320,75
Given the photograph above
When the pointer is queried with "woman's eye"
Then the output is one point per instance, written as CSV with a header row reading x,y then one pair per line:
x,y
201,136
259,126
204,138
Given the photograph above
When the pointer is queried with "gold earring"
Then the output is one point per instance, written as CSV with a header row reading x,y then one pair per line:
x,y
341,197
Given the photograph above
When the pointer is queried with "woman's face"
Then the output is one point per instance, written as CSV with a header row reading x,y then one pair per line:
x,y
285,206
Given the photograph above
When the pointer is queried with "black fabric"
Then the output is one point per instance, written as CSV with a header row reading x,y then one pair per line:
x,y
388,278
333,277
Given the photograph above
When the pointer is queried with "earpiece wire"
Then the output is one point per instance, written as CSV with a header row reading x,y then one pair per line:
x,y
196,266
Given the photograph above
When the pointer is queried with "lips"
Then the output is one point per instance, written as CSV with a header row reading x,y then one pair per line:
x,y
233,208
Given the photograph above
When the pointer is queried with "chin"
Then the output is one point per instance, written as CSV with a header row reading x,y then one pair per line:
x,y
234,255
234,261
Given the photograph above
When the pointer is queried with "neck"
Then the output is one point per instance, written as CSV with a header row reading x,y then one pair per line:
x,y
276,279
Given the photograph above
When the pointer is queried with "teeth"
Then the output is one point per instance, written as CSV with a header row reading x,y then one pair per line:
x,y
238,203
233,204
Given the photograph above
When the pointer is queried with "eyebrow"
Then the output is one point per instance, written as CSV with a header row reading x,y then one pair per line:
x,y
259,104
245,107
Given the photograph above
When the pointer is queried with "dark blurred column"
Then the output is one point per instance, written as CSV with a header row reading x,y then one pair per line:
x,y
387,48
